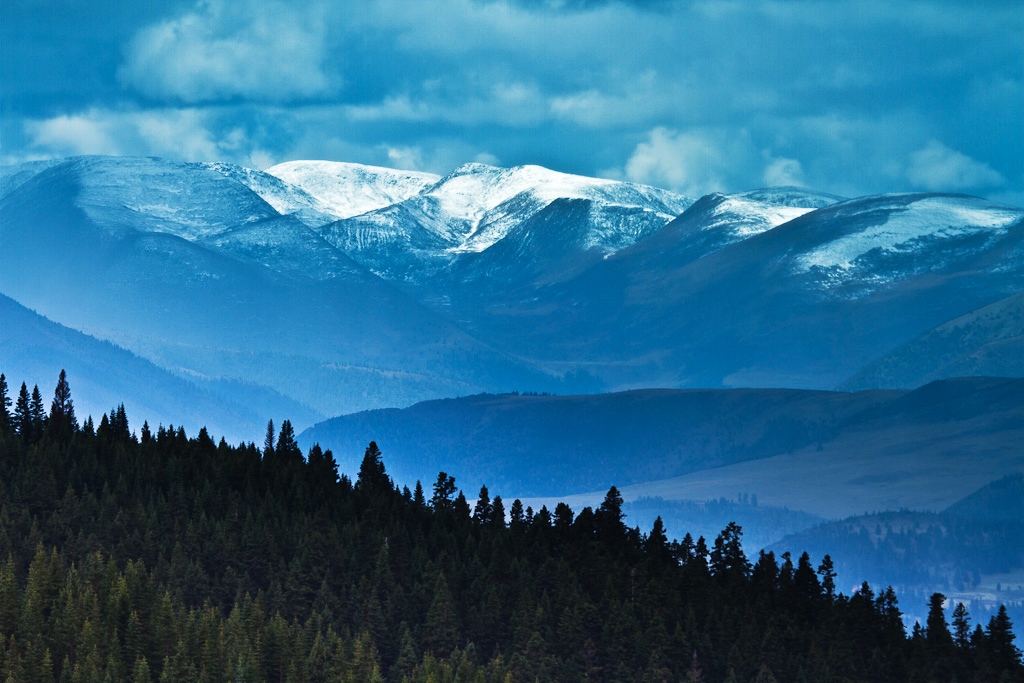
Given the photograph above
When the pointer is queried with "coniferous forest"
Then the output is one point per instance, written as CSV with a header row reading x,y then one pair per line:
x,y
135,554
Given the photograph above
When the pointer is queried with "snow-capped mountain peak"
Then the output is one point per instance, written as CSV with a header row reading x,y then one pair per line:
x,y
488,200
348,189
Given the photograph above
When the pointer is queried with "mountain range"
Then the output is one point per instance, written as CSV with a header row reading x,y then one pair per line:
x,y
344,287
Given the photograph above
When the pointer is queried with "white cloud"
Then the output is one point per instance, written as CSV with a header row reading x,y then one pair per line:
x,y
405,158
72,135
185,134
937,167
782,171
225,51
691,162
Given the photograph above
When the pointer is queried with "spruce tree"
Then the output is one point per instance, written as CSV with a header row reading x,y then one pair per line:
x,y
62,410
727,557
37,412
23,415
372,475
483,509
268,441
287,449
961,626
827,572
1005,655
5,403
441,628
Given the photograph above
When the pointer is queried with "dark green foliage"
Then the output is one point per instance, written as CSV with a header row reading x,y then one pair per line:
x,y
5,404
168,558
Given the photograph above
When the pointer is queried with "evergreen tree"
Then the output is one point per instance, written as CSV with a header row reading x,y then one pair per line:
x,y
444,490
5,404
441,628
287,449
827,572
268,440
483,510
936,629
1005,655
961,626
608,518
62,418
372,476
37,412
727,557
23,415
498,513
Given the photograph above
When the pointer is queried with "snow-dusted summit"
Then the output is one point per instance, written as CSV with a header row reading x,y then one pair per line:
x,y
343,190
477,206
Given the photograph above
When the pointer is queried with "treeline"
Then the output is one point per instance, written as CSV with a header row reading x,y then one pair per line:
x,y
918,548
162,557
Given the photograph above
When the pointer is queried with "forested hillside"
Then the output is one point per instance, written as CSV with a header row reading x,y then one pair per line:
x,y
148,555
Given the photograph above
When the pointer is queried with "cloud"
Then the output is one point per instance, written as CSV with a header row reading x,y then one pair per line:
x,y
691,162
185,134
405,158
782,171
937,167
73,135
220,51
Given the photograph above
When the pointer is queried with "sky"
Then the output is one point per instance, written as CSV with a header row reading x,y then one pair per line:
x,y
851,98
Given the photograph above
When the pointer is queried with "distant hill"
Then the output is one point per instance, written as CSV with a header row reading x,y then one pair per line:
x,y
973,551
102,376
799,447
988,341
1000,501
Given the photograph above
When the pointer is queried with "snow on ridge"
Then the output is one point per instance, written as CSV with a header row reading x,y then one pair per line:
x,y
938,217
489,200
745,217
347,189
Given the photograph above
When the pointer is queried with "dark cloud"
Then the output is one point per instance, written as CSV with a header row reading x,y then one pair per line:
x,y
850,97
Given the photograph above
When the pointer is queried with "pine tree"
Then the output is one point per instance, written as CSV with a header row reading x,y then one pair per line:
x,y
23,415
608,518
268,441
937,631
444,490
727,558
498,513
483,509
62,410
287,449
1004,653
961,626
37,412
5,403
827,572
441,628
372,475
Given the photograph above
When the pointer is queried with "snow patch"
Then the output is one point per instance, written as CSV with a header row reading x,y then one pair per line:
x,y
934,217
347,189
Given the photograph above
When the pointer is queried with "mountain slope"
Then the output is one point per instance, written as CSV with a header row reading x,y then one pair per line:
x,y
221,285
498,279
287,199
987,341
805,304
343,190
477,206
102,375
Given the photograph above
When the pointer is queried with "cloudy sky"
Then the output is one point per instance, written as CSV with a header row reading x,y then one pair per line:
x,y
846,97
